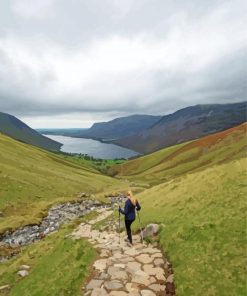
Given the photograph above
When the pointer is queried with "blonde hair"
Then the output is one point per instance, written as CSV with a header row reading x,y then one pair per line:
x,y
132,199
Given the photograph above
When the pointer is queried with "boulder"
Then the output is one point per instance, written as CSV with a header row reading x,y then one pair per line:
x,y
150,230
24,267
23,273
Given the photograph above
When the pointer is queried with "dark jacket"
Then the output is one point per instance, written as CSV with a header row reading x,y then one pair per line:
x,y
129,210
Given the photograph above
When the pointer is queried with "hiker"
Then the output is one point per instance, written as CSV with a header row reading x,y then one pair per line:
x,y
129,212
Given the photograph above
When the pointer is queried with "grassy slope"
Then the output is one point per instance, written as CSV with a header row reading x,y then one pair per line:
x,y
32,179
201,202
59,266
177,160
204,228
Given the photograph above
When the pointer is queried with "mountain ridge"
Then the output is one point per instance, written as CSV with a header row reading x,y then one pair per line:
x,y
18,130
186,124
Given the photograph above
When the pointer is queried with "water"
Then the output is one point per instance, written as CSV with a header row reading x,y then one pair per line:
x,y
92,147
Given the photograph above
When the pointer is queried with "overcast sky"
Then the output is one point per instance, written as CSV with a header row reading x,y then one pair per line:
x,y
71,63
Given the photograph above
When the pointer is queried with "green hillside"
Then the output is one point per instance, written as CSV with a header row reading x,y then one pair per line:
x,y
174,161
203,218
32,179
198,195
16,129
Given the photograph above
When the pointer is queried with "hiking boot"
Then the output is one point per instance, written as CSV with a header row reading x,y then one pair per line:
x,y
129,244
126,240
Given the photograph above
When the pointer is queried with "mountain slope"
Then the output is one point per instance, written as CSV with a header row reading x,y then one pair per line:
x,y
198,197
32,179
120,127
186,124
202,217
180,159
16,129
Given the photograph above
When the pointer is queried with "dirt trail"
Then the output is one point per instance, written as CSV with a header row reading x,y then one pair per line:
x,y
123,270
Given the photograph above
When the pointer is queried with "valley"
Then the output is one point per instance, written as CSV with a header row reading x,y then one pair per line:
x,y
195,192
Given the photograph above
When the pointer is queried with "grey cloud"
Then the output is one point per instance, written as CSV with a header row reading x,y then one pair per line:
x,y
35,87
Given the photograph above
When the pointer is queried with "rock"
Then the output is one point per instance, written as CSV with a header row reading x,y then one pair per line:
x,y
103,276
159,262
141,277
152,280
132,267
120,275
5,287
113,285
104,253
23,273
157,255
100,264
170,279
94,284
144,258
150,230
157,287
118,293
25,267
151,250
119,265
149,269
147,293
161,277
132,252
82,194
112,270
99,292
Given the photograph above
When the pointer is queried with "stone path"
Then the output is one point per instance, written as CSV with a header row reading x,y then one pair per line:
x,y
140,270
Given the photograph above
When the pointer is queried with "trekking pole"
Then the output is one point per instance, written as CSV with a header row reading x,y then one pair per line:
x,y
140,226
119,218
119,226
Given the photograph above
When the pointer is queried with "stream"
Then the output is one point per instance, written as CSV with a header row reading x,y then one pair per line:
x,y
11,242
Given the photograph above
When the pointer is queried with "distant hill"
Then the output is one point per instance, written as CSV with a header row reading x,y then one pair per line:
x,y
184,125
120,127
16,129
69,132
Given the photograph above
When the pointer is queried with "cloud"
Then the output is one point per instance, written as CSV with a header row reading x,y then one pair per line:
x,y
32,9
133,57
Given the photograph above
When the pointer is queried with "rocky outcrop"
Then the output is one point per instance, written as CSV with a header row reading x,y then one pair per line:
x,y
150,230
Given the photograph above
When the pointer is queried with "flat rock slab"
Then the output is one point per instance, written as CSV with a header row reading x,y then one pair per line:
x,y
99,292
113,285
147,293
118,293
144,258
100,264
94,284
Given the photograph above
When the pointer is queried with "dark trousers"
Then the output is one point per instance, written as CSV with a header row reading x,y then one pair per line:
x,y
128,229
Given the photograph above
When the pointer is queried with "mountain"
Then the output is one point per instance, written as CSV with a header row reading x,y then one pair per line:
x,y
16,129
184,125
120,127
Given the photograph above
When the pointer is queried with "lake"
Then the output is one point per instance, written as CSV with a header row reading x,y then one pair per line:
x,y
92,147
